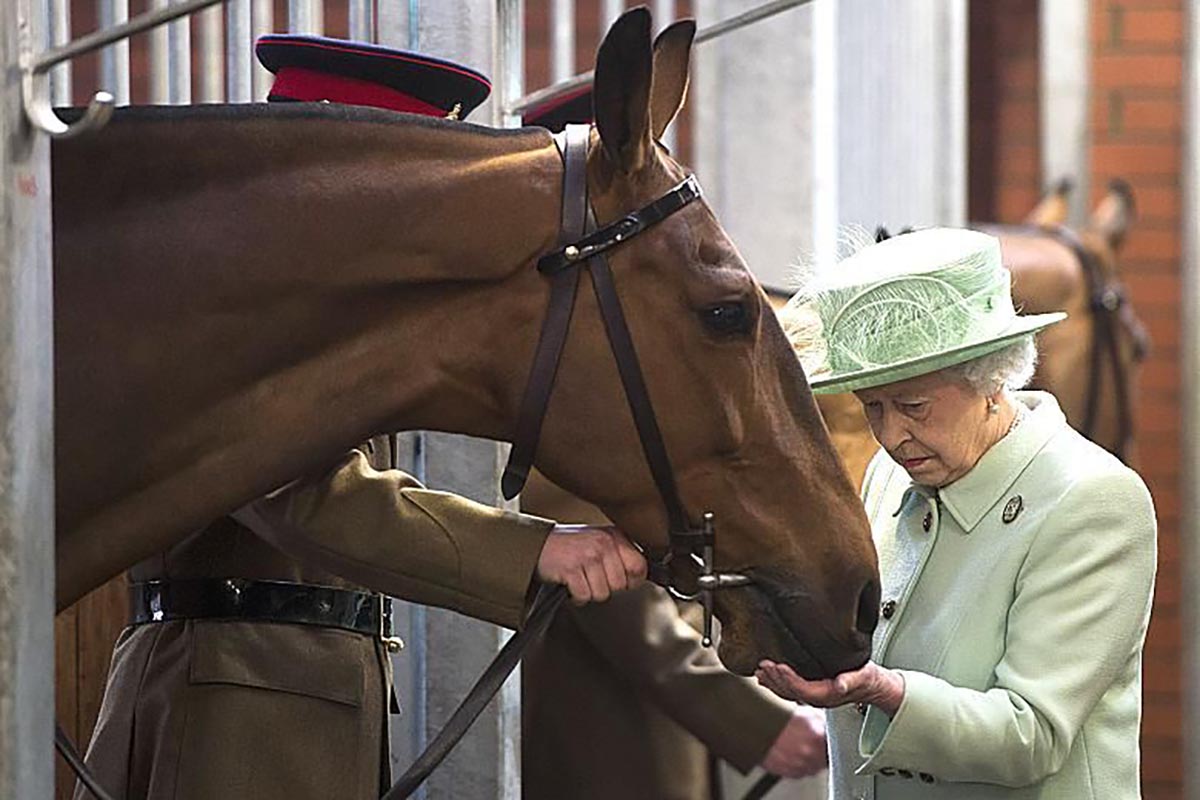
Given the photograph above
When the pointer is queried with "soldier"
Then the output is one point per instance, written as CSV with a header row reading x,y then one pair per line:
x,y
256,665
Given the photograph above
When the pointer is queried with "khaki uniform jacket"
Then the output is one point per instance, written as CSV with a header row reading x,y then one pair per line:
x,y
1016,602
622,701
200,709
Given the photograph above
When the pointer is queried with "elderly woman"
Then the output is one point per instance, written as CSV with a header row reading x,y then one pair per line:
x,y
1017,558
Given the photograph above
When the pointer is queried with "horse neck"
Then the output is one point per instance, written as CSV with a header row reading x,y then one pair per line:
x,y
266,288
433,228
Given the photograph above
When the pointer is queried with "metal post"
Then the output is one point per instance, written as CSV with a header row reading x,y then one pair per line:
x,y
562,40
362,20
1064,62
60,33
26,429
1190,399
212,52
179,61
509,63
306,16
262,17
609,11
160,70
239,59
114,59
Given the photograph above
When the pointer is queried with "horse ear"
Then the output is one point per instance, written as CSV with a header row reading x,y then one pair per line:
x,y
1112,217
1053,208
621,94
672,55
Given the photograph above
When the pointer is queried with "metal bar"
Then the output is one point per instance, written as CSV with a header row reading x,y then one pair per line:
x,y
1190,400
179,61
26,428
362,20
562,40
735,22
509,67
238,58
749,17
306,16
262,20
212,56
160,69
101,38
609,11
59,14
114,60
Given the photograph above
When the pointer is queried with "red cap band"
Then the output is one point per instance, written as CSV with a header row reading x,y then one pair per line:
x,y
299,83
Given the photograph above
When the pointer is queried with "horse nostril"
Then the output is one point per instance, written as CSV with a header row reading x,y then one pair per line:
x,y
868,608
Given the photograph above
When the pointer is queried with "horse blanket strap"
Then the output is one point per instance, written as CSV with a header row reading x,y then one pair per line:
x,y
563,286
261,601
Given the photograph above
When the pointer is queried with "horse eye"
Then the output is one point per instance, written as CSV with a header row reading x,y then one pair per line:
x,y
726,318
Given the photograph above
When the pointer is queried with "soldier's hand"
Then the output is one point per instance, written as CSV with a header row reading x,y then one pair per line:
x,y
799,750
592,561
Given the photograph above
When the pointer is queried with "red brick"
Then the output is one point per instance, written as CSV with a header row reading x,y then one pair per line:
x,y
1152,244
1152,27
1156,202
1111,70
1154,115
1138,159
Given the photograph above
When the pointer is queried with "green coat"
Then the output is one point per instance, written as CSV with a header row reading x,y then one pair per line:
x,y
1018,623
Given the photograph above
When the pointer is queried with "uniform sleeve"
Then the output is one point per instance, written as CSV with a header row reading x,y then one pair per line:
x,y
1076,625
645,640
383,529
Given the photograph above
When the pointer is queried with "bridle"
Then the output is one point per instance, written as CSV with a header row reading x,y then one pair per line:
x,y
1111,314
685,567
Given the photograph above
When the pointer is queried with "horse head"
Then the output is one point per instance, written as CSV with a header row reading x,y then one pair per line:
x,y
743,434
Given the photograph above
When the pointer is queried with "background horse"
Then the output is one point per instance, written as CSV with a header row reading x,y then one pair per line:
x,y
244,292
1091,361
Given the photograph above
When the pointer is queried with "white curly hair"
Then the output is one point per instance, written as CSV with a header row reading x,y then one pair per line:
x,y
1009,368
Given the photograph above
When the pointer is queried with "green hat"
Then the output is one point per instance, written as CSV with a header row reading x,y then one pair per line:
x,y
904,307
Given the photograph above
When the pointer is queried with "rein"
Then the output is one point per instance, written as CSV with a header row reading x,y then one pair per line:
x,y
1110,310
686,566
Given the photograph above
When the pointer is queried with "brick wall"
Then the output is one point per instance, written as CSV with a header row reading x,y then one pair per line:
x,y
1137,75
1004,179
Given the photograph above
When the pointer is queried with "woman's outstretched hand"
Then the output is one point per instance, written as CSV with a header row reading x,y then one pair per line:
x,y
871,684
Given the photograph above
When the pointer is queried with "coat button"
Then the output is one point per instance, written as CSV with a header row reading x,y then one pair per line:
x,y
927,523
888,609
861,708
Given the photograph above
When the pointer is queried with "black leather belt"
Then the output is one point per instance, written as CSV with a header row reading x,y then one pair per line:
x,y
263,601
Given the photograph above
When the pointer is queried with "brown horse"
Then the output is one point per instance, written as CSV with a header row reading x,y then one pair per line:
x,y
242,293
1090,361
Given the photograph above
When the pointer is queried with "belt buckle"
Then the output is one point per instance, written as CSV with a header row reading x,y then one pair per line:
x,y
394,644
